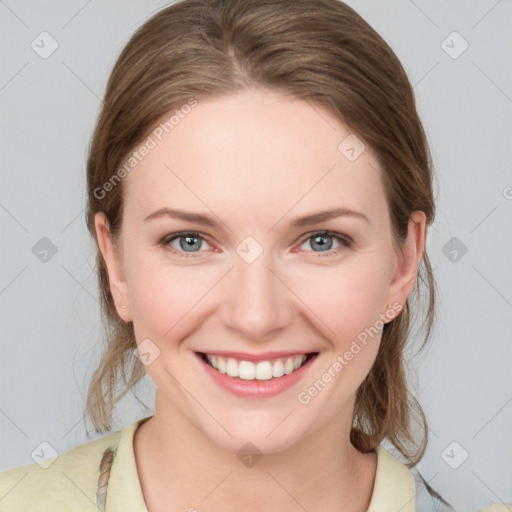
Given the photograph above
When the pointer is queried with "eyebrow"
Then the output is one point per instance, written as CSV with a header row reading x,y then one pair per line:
x,y
306,220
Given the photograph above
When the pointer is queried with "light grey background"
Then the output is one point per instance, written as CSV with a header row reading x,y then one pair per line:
x,y
50,324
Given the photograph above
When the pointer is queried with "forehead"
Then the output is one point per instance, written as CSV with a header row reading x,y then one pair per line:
x,y
256,149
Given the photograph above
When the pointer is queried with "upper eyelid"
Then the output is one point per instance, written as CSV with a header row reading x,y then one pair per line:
x,y
327,232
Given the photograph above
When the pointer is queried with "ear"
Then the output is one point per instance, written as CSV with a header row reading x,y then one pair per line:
x,y
117,283
408,258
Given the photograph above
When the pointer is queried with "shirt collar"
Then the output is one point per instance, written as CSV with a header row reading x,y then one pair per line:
x,y
124,493
394,488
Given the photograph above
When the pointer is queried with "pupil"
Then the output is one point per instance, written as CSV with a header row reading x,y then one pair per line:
x,y
324,246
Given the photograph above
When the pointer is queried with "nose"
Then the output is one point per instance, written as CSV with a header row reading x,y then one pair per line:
x,y
255,301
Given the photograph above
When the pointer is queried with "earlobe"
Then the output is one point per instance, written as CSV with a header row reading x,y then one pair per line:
x,y
117,282
408,260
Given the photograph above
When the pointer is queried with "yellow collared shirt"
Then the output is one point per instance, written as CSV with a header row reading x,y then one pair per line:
x,y
70,482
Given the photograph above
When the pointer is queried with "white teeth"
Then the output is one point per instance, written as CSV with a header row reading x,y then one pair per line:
x,y
288,366
264,370
232,368
278,368
246,370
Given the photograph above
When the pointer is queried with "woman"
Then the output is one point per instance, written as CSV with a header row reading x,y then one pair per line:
x,y
259,189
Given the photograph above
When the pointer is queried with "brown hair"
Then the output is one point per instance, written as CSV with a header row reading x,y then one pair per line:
x,y
320,51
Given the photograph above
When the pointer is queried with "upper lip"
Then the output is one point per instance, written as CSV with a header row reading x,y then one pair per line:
x,y
265,356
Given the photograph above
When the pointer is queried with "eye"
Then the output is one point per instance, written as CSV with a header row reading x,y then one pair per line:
x,y
322,240
186,242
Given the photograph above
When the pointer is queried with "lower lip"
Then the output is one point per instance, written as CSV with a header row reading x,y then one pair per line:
x,y
256,388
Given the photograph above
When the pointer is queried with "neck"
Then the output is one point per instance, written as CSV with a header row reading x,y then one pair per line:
x,y
178,465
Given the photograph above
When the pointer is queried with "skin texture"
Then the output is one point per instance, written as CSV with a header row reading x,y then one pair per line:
x,y
254,161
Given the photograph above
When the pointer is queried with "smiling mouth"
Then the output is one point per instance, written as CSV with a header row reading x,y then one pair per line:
x,y
261,371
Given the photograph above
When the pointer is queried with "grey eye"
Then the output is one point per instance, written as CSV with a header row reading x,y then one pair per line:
x,y
188,242
321,242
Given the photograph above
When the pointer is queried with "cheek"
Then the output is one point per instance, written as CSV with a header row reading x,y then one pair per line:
x,y
348,303
163,293
348,298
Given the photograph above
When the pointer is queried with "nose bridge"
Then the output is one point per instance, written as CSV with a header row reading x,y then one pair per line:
x,y
256,303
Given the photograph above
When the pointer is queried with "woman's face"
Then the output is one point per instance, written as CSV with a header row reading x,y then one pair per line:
x,y
255,283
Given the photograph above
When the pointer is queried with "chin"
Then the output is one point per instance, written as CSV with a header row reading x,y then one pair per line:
x,y
265,432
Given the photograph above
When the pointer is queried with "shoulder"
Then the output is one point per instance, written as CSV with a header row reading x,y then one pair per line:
x,y
68,479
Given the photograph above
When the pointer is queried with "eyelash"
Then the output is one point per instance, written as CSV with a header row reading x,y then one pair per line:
x,y
346,242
